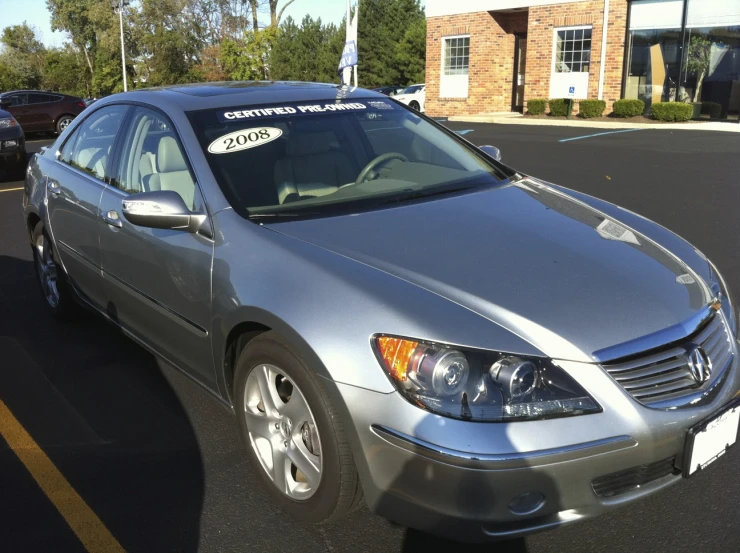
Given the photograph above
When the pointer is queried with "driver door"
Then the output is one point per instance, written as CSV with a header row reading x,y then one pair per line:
x,y
158,281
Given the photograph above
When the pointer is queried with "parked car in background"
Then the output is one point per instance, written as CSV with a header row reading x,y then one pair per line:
x,y
413,96
37,111
12,144
389,90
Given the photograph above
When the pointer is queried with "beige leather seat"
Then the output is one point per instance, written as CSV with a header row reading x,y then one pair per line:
x,y
172,172
314,166
147,167
93,159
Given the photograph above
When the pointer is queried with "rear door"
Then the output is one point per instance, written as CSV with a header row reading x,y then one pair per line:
x,y
158,281
40,107
74,187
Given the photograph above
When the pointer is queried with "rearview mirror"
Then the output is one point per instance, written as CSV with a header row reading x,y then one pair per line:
x,y
164,209
492,151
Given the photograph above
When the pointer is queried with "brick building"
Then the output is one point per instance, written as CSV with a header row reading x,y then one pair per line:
x,y
488,56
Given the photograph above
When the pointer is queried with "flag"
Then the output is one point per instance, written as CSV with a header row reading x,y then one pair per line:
x,y
349,54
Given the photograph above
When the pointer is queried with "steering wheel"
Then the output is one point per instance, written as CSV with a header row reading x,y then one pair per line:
x,y
368,172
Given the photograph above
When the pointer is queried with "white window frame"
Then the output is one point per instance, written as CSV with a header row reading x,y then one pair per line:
x,y
560,82
555,32
453,86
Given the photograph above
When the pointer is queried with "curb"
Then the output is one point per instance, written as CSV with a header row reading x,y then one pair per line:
x,y
523,120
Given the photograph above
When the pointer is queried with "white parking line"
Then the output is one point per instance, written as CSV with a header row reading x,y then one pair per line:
x,y
597,134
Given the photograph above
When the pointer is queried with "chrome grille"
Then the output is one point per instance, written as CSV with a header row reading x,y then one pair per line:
x,y
666,375
617,483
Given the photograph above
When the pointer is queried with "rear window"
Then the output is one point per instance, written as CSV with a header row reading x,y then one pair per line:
x,y
321,157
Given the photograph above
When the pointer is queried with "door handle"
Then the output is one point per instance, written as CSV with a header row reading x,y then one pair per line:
x,y
53,187
112,218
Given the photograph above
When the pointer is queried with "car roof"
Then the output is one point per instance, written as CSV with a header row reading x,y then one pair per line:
x,y
241,93
35,91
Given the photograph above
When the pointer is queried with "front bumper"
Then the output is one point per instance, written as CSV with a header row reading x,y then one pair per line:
x,y
458,479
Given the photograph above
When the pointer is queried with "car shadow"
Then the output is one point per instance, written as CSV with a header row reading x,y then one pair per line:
x,y
105,414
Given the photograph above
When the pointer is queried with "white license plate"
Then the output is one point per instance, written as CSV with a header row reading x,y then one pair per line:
x,y
711,439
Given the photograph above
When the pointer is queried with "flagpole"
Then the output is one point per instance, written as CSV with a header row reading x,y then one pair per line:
x,y
357,21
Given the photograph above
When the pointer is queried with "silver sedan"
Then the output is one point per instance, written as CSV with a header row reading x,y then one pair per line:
x,y
388,310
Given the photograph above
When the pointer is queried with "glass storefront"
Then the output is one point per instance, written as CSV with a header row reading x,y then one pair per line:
x,y
693,60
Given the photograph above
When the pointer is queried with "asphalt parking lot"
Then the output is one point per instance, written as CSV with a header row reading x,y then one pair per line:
x,y
148,463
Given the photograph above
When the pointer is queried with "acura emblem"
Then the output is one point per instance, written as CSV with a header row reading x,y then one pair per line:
x,y
699,363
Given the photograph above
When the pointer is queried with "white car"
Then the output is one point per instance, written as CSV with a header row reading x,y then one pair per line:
x,y
413,96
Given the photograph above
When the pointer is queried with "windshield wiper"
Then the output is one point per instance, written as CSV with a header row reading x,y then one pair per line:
x,y
427,194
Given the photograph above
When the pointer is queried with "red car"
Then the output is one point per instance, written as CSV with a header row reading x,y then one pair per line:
x,y
37,111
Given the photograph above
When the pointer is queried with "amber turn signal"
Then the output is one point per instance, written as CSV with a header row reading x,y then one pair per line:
x,y
396,354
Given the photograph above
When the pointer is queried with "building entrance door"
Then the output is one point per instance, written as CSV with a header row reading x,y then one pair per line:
x,y
520,64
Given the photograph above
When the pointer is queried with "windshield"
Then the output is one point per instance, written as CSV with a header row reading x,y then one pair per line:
x,y
413,89
319,158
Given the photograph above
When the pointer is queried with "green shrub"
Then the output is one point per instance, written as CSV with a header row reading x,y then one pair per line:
x,y
713,109
536,107
591,108
629,108
558,107
672,111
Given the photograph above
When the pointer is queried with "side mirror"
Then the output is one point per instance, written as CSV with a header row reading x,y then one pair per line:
x,y
5,104
164,209
492,151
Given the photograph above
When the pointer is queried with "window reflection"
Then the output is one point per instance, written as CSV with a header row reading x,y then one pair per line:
x,y
712,70
653,65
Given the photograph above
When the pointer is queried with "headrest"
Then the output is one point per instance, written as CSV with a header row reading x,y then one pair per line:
x,y
169,156
311,143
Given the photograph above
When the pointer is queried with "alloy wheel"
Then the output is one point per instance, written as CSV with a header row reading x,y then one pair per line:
x,y
64,123
47,271
283,432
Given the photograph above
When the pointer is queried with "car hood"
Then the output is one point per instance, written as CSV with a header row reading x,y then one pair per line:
x,y
557,272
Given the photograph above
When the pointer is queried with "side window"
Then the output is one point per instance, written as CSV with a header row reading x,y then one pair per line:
x,y
18,99
38,98
89,147
152,158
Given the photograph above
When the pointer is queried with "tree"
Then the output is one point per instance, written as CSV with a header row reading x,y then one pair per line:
x,y
169,41
382,25
306,53
62,68
698,59
410,58
22,57
246,59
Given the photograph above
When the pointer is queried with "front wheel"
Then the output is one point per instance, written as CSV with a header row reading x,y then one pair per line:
x,y
63,123
54,289
414,105
294,438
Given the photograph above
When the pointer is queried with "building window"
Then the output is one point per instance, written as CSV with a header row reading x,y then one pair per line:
x,y
457,55
573,50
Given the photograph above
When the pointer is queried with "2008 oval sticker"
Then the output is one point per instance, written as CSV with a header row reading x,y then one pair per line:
x,y
244,139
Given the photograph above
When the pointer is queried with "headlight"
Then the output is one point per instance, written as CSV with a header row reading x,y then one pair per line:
x,y
480,385
7,122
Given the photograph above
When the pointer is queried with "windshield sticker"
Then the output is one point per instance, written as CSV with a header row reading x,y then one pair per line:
x,y
380,105
227,116
244,139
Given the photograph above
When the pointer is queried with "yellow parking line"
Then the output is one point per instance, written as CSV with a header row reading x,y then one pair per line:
x,y
11,189
81,519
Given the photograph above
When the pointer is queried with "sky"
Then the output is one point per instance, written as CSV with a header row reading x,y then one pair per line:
x,y
35,13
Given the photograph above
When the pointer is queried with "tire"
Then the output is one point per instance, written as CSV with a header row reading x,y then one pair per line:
x,y
58,297
63,123
270,359
414,105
